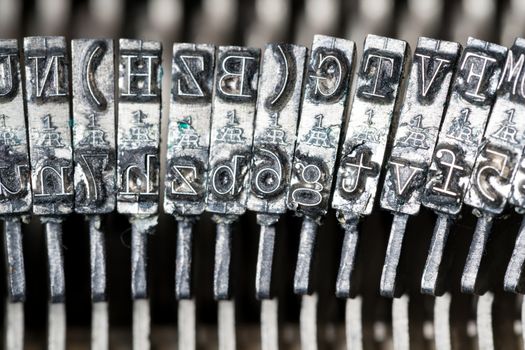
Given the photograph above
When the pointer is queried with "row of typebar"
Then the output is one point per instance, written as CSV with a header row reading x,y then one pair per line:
x,y
264,132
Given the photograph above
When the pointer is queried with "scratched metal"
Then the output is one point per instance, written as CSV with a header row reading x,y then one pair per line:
x,y
93,66
471,98
278,104
418,126
15,185
324,104
517,196
138,134
382,71
49,121
189,129
504,139
14,259
233,117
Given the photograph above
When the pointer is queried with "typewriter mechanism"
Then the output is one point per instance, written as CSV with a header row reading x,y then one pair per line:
x,y
262,174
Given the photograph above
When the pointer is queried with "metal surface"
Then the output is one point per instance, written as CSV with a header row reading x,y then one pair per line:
x,y
379,81
416,135
16,284
232,127
470,102
424,104
263,274
15,186
183,259
97,258
278,106
15,267
141,228
389,285
325,99
512,103
47,100
303,270
345,274
322,114
192,75
55,260
235,93
221,272
474,279
256,23
138,133
380,78
496,163
189,129
434,281
138,140
94,152
514,278
93,66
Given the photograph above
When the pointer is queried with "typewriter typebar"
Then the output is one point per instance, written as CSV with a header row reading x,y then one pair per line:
x,y
515,82
267,160
94,152
470,102
379,80
234,102
236,81
417,129
490,183
47,98
15,193
138,147
424,104
232,126
278,105
189,129
48,113
15,184
94,125
325,97
472,95
138,136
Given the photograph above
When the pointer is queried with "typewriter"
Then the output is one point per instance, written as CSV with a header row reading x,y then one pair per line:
x,y
262,174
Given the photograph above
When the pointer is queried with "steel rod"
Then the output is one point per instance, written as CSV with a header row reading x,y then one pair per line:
x,y
303,269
